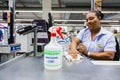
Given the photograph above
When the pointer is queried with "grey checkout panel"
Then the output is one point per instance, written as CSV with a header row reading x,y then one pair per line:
x,y
8,51
11,48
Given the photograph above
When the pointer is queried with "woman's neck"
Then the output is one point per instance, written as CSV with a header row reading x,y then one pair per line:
x,y
95,31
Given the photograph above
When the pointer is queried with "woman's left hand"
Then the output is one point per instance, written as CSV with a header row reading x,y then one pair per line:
x,y
82,49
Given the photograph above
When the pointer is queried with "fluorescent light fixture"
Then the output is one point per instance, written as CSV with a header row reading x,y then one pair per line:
x,y
115,25
69,24
69,11
82,11
110,11
69,20
3,10
24,19
81,25
20,19
23,24
116,21
37,11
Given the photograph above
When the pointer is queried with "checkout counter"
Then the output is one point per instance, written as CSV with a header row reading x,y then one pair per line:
x,y
28,67
8,50
32,68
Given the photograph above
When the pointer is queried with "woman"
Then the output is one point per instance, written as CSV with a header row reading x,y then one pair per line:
x,y
94,41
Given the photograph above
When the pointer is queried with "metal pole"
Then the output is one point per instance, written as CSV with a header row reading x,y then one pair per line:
x,y
12,20
92,5
35,41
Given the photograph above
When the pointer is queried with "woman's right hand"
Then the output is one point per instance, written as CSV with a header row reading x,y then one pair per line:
x,y
74,53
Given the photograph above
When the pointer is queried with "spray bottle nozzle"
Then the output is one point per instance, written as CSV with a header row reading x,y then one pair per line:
x,y
58,30
55,30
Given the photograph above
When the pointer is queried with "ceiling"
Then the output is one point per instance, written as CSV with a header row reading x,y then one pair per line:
x,y
63,11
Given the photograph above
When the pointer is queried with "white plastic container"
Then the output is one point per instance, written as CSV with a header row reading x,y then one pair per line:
x,y
53,54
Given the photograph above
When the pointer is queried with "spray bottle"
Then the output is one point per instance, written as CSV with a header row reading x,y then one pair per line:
x,y
53,51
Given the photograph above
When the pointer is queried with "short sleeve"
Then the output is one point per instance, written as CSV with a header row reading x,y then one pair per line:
x,y
110,45
80,34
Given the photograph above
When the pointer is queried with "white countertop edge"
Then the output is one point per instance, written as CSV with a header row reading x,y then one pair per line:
x,y
106,62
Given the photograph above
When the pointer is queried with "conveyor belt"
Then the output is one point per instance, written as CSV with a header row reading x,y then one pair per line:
x,y
31,68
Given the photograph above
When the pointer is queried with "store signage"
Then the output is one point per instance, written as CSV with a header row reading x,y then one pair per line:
x,y
98,5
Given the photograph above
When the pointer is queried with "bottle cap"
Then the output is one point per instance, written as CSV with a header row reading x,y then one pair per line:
x,y
53,34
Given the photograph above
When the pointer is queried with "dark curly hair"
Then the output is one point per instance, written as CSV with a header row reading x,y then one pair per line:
x,y
98,14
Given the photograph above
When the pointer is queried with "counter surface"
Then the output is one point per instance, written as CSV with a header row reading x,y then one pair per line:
x,y
31,68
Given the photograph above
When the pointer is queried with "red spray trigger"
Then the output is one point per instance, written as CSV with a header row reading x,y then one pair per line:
x,y
58,30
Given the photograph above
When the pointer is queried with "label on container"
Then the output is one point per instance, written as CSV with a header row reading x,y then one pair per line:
x,y
52,58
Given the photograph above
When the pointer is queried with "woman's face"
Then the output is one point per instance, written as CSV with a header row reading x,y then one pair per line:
x,y
92,21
